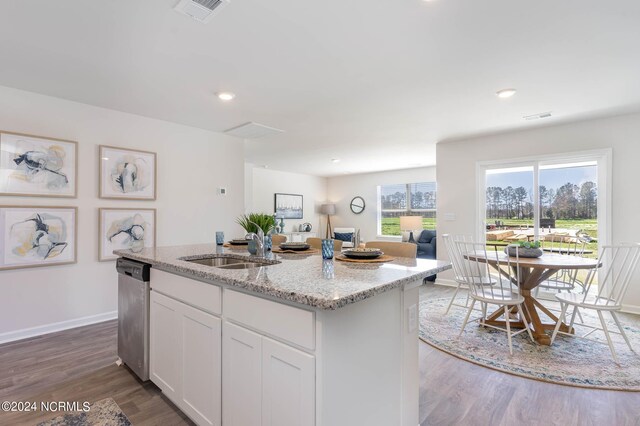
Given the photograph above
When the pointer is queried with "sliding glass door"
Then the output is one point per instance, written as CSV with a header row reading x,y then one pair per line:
x,y
557,198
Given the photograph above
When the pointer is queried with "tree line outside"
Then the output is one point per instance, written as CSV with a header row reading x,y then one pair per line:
x,y
568,202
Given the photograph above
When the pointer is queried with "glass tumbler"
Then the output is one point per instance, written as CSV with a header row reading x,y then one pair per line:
x,y
327,249
219,238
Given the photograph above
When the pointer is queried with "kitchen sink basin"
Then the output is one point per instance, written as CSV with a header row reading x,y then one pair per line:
x,y
226,262
242,265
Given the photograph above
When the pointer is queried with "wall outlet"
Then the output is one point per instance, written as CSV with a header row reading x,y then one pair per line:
x,y
412,318
449,217
222,191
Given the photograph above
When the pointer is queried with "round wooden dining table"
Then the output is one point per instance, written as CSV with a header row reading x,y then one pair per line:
x,y
532,272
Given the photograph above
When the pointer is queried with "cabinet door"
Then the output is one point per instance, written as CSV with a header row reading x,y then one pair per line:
x,y
288,386
165,342
241,381
201,366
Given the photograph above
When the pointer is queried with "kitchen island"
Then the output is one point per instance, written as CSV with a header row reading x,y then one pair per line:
x,y
286,340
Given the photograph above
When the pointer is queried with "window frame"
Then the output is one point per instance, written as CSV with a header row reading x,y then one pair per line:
x,y
408,209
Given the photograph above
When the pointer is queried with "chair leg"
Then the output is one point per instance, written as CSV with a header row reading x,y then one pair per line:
x,y
606,333
624,335
561,319
466,319
526,324
579,315
452,299
484,312
508,322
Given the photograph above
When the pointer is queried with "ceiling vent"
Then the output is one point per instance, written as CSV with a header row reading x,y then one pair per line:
x,y
537,116
252,130
201,10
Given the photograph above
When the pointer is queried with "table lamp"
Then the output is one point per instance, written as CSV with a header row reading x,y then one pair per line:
x,y
328,209
410,223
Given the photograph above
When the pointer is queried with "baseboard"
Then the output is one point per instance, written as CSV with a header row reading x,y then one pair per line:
x,y
26,333
631,309
445,282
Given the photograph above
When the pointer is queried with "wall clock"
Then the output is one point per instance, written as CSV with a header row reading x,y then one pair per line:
x,y
357,205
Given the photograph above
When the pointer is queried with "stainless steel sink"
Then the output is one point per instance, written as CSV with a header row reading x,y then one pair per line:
x,y
217,261
242,265
227,262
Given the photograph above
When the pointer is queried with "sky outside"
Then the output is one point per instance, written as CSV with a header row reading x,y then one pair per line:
x,y
551,178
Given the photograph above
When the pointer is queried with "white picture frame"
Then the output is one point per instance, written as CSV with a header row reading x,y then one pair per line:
x,y
36,236
127,174
38,166
124,229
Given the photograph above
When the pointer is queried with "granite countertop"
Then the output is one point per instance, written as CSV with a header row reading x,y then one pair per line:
x,y
298,278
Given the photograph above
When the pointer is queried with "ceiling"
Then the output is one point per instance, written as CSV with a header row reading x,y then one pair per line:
x,y
373,83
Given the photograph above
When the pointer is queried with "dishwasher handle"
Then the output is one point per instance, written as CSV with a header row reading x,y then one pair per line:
x,y
133,269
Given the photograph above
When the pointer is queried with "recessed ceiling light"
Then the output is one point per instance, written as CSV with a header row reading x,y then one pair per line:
x,y
505,93
335,160
105,158
225,96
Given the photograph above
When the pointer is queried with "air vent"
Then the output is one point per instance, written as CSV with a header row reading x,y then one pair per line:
x,y
201,10
537,116
252,130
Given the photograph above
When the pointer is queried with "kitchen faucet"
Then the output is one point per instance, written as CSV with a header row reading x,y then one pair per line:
x,y
258,238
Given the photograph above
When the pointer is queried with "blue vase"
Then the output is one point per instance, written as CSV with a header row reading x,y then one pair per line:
x,y
252,247
267,242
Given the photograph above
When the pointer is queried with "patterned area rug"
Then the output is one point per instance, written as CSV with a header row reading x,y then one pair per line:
x,y
102,413
570,361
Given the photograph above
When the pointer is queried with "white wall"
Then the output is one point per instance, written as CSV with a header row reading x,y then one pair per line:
x,y
342,189
456,172
265,183
192,163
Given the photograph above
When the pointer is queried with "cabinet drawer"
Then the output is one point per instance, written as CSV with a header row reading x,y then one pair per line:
x,y
285,322
202,295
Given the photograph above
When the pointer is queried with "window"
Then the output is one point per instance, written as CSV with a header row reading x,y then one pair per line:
x,y
406,199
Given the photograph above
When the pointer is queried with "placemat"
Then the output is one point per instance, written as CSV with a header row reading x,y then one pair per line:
x,y
308,251
381,259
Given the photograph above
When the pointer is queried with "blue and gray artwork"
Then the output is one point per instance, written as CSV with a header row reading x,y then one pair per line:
x,y
43,166
130,174
42,236
128,233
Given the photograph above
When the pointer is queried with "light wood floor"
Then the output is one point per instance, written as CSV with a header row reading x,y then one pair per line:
x,y
78,365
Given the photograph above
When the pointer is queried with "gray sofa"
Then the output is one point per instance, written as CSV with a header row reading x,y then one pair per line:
x,y
427,247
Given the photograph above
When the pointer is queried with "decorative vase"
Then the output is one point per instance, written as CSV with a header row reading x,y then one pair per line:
x,y
282,224
267,242
252,247
327,249
523,252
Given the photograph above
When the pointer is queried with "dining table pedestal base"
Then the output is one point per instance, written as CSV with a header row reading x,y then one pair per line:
x,y
530,307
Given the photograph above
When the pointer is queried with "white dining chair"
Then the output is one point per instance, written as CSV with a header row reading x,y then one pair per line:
x,y
458,270
565,280
501,293
617,265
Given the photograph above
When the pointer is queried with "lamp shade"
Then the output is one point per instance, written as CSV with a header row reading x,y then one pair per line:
x,y
328,209
410,223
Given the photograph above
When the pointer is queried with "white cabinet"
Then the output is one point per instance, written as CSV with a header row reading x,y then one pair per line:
x,y
288,386
186,361
242,382
201,366
164,340
265,382
298,237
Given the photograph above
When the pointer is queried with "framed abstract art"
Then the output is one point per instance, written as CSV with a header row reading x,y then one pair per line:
x,y
38,166
127,174
125,229
32,236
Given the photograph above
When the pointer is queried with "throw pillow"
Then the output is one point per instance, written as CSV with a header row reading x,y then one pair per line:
x,y
343,236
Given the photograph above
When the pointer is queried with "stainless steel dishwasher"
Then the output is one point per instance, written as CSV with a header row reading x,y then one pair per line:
x,y
133,315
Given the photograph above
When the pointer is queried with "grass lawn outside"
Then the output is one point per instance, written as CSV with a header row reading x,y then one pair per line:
x,y
391,225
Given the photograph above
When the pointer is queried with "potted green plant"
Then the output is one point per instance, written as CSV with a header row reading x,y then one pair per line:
x,y
524,249
252,222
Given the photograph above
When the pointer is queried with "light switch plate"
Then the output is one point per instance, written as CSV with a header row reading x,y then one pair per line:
x,y
450,217
222,191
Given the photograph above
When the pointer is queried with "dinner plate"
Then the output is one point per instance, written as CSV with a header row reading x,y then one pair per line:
x,y
361,254
295,246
